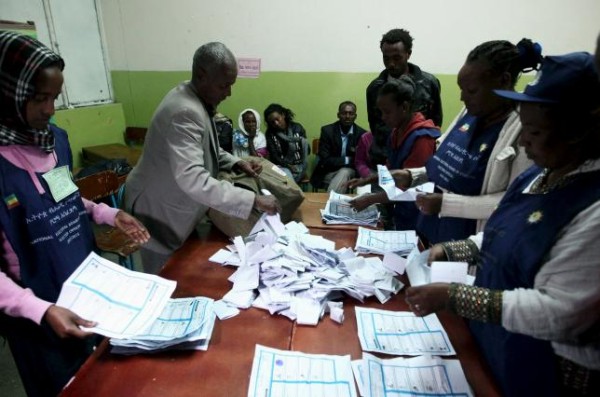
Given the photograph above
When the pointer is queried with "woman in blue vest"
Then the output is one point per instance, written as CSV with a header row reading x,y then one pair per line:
x,y
45,228
411,144
475,159
535,309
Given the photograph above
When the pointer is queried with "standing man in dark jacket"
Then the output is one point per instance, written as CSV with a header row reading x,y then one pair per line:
x,y
396,47
337,147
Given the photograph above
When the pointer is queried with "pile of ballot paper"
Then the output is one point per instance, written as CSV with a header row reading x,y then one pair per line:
x,y
135,309
298,275
338,211
185,323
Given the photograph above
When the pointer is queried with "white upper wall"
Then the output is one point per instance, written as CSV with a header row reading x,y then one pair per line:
x,y
336,35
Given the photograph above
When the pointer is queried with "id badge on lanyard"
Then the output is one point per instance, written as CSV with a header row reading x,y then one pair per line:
x,y
60,182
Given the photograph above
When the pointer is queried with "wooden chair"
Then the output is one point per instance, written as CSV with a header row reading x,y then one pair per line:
x,y
106,185
305,181
315,146
315,150
135,135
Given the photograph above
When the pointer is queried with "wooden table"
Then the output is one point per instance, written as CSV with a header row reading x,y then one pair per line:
x,y
224,370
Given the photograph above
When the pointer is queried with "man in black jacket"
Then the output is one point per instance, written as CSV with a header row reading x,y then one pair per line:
x,y
337,146
396,47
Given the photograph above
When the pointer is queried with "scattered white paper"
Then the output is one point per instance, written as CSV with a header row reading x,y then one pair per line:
x,y
274,222
394,262
416,268
307,310
470,280
298,273
336,311
224,311
449,272
239,298
296,228
225,257
245,278
240,247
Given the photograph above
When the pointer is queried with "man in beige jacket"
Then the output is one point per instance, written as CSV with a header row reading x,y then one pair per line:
x,y
173,185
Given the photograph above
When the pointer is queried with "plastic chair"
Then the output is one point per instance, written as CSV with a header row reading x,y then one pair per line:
x,y
106,185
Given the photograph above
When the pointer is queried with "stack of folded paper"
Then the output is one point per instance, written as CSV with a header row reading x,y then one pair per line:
x,y
338,211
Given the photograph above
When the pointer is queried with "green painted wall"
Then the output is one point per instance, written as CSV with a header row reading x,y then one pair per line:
x,y
313,96
92,125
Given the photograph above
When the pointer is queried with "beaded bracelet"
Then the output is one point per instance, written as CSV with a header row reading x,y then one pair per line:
x,y
461,251
476,303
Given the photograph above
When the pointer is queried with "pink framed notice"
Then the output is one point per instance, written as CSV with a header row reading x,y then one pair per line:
x,y
249,67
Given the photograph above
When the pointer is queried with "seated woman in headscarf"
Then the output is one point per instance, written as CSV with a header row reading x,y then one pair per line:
x,y
286,141
411,144
45,225
535,306
248,140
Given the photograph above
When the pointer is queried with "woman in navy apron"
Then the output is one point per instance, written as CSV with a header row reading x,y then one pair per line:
x,y
411,144
44,223
534,308
472,159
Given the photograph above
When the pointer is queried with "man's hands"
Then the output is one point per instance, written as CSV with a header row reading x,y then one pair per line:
x,y
268,204
132,227
250,168
356,182
66,324
363,201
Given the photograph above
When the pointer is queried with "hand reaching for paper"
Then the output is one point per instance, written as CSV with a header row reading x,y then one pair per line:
x,y
427,299
430,203
66,324
268,204
362,202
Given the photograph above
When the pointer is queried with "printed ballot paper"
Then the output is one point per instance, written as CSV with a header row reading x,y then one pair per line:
x,y
135,310
121,301
386,181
